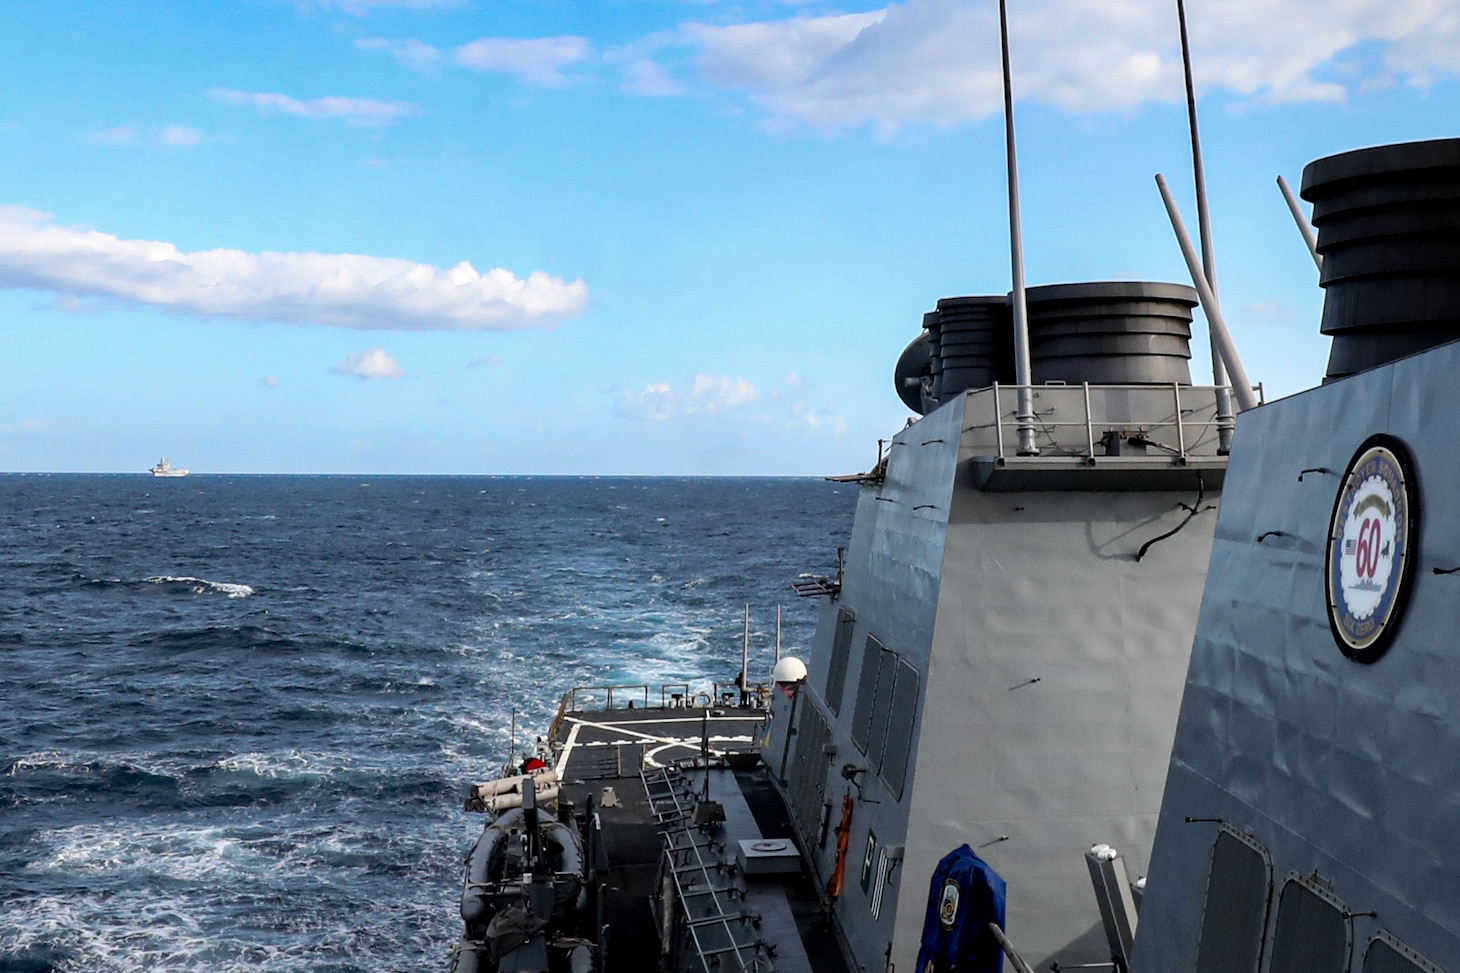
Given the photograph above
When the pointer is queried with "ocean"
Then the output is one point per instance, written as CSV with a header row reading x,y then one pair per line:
x,y
238,715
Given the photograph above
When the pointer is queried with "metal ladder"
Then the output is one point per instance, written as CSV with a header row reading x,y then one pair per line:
x,y
721,932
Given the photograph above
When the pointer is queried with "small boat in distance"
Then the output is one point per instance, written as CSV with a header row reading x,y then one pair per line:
x,y
164,467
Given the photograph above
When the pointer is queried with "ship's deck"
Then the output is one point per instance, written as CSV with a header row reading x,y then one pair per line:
x,y
604,749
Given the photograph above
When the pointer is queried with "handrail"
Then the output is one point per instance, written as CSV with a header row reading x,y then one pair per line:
x,y
668,697
1187,431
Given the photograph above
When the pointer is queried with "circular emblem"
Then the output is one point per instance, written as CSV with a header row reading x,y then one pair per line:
x,y
1371,541
948,903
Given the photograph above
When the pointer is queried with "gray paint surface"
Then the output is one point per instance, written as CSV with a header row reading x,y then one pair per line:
x,y
1050,661
1343,770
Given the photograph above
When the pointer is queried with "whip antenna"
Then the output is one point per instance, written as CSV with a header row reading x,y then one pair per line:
x,y
1204,231
1022,371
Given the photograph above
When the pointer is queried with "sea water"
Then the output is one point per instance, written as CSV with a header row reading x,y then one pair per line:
x,y
238,715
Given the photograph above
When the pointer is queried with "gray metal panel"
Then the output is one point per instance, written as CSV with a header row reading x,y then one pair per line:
x,y
1019,474
893,575
1312,933
1050,663
808,781
1052,691
900,723
841,652
1349,770
1234,921
881,707
1386,954
862,718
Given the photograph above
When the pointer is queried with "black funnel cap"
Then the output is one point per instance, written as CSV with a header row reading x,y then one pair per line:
x,y
1111,333
1388,221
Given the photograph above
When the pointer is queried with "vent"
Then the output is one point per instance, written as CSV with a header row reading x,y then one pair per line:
x,y
879,884
1239,891
841,651
975,343
900,723
1111,333
808,775
866,693
1388,221
881,706
1313,934
1388,955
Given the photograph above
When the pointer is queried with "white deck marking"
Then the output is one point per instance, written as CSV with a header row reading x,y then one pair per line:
x,y
567,749
665,742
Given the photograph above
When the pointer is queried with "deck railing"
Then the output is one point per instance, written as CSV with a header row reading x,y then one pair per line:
x,y
672,695
1073,420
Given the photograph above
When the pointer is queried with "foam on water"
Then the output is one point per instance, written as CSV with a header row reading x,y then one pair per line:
x,y
202,586
236,781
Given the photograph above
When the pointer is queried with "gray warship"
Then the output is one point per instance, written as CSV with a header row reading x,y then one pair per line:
x,y
951,697
1069,665
1309,816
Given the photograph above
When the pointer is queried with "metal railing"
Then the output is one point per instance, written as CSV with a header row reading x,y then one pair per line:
x,y
1072,420
672,695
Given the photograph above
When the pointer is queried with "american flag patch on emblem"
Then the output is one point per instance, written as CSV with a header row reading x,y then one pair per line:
x,y
1350,546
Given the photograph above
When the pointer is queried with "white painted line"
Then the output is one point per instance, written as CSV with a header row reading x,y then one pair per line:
x,y
567,749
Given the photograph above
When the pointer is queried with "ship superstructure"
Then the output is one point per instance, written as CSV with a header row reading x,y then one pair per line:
x,y
1001,661
1309,819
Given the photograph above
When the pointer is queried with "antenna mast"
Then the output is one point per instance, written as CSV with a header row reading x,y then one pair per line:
x,y
1204,231
1023,379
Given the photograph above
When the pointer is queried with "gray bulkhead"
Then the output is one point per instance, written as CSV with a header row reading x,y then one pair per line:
x,y
1047,666
889,596
1343,772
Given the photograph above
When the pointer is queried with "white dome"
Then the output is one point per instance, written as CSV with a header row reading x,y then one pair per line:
x,y
789,669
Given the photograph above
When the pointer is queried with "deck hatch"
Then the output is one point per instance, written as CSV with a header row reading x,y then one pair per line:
x,y
866,693
841,652
1234,920
900,723
1312,934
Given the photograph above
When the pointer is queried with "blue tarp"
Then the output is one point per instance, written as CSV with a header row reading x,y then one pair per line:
x,y
965,895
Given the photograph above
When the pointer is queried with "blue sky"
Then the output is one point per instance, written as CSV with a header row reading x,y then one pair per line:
x,y
630,236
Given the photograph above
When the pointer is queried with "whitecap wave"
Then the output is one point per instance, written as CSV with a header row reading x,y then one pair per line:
x,y
176,896
202,586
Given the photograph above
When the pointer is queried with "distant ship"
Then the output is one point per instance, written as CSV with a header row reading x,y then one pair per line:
x,y
164,467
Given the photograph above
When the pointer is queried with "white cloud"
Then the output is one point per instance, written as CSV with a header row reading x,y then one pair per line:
x,y
482,361
168,136
644,77
346,290
180,136
370,365
408,52
537,60
269,381
120,135
356,111
936,62
805,418
709,395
